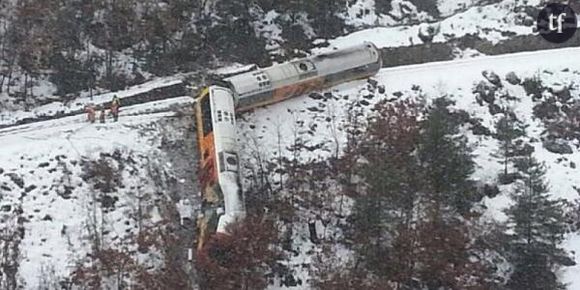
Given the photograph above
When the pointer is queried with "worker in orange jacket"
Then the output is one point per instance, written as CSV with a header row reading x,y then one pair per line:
x,y
90,110
102,115
115,104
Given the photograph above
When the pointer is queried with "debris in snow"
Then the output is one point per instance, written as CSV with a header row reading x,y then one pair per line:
x,y
185,209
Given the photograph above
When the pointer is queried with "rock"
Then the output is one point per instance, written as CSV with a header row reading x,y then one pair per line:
x,y
528,21
373,82
47,218
490,190
290,281
327,96
16,179
43,164
495,109
479,129
512,78
5,187
398,94
566,261
492,77
6,208
30,188
484,92
508,178
563,93
557,146
316,96
1,170
381,89
427,32
572,165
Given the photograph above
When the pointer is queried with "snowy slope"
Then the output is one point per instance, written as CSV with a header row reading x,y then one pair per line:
x,y
11,117
324,118
54,217
54,203
494,22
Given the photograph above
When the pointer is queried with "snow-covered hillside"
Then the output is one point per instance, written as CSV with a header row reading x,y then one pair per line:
x,y
324,120
68,186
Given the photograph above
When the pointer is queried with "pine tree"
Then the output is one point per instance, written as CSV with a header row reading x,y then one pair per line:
x,y
445,157
391,180
538,226
508,128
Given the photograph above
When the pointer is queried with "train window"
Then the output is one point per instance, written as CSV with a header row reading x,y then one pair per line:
x,y
207,122
228,161
219,115
303,66
221,161
232,161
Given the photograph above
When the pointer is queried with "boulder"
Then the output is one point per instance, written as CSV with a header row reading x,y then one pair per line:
x,y
490,190
557,146
492,77
512,78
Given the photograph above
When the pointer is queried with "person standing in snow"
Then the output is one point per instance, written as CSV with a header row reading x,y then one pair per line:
x,y
102,115
90,109
115,104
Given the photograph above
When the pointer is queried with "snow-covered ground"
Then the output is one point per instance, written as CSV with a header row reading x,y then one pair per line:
x,y
494,22
456,79
11,117
54,203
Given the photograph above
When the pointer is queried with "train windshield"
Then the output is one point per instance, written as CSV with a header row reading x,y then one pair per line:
x,y
207,122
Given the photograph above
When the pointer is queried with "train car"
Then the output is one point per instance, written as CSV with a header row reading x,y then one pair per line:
x,y
222,200
215,108
283,81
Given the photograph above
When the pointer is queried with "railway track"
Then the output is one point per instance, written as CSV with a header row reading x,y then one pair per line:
x,y
180,89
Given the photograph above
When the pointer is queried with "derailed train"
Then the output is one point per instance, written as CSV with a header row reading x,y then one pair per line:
x,y
215,111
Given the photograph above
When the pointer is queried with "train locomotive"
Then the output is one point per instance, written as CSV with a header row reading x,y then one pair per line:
x,y
216,107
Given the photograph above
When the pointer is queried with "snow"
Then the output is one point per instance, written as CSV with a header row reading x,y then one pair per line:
x,y
260,129
570,275
25,147
448,7
490,22
59,243
9,117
